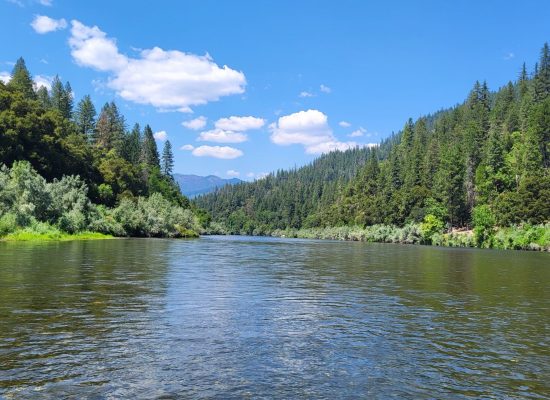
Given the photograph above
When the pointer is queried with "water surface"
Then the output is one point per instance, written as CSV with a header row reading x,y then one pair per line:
x,y
238,317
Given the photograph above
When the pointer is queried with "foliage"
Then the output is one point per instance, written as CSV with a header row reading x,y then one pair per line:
x,y
484,222
484,162
32,208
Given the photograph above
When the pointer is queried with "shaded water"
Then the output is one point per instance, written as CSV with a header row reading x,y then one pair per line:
x,y
238,317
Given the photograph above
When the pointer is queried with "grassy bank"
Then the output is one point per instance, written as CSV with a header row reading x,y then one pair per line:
x,y
521,237
28,236
46,232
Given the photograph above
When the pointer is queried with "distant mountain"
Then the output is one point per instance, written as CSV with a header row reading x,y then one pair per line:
x,y
195,185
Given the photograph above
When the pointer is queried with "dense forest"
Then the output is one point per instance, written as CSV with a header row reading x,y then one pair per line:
x,y
65,167
482,164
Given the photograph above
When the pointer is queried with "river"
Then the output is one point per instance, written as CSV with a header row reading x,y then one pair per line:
x,y
244,317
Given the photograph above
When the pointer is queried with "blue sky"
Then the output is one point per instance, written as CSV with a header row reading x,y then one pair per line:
x,y
311,76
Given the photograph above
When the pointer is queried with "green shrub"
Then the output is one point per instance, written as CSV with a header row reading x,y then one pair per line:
x,y
8,224
484,221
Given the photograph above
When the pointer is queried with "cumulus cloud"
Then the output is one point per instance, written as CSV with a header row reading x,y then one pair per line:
x,y
259,175
195,124
42,80
222,136
325,89
309,128
39,80
232,173
239,124
223,152
358,132
43,24
168,80
344,124
327,147
187,147
305,127
160,136
5,76
305,94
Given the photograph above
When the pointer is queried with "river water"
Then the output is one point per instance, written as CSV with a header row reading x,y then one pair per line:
x,y
240,317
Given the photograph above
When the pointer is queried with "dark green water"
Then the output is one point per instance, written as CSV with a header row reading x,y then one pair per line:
x,y
229,317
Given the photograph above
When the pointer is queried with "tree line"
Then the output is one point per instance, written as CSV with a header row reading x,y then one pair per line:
x,y
58,138
484,163
66,169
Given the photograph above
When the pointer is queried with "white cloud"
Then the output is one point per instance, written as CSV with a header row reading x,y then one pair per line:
x,y
509,56
43,24
305,94
305,127
168,80
325,89
327,147
370,145
187,147
309,128
39,80
239,124
160,135
358,132
5,76
233,173
195,124
259,175
47,3
223,152
344,124
16,2
221,136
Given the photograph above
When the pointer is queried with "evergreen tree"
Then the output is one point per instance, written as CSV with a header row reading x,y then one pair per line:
x,y
44,97
167,165
149,151
21,79
62,97
132,149
542,76
110,128
85,117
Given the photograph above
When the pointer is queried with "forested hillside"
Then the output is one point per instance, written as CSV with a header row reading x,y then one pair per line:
x,y
285,198
482,163
74,170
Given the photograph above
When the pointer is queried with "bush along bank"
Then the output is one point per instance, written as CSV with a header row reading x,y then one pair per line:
x,y
518,237
33,209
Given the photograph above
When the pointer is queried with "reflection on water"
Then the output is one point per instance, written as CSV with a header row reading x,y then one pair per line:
x,y
231,317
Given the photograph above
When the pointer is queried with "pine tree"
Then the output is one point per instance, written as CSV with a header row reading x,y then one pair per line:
x,y
149,151
132,148
62,97
68,101
167,159
542,75
44,97
110,127
85,117
21,79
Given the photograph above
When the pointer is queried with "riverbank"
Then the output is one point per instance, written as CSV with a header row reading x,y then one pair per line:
x,y
42,232
521,237
27,235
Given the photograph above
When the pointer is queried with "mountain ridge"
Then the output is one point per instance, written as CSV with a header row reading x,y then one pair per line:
x,y
192,185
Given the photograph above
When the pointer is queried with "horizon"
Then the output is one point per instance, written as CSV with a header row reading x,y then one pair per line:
x,y
266,98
